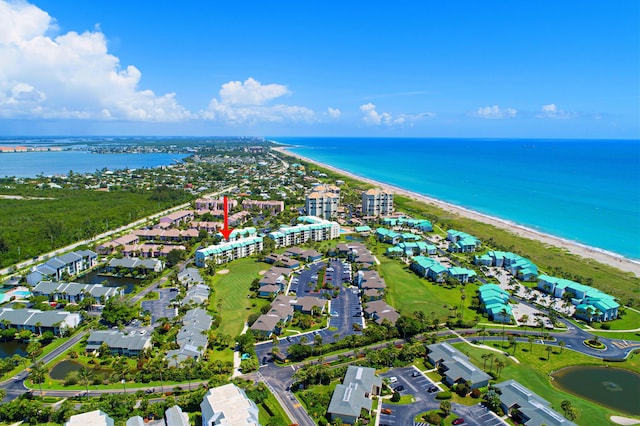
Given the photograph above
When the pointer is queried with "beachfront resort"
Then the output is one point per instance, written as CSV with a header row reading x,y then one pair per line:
x,y
368,303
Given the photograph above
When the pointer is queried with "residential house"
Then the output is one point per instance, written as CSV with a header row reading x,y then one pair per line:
x,y
76,292
495,302
197,294
274,207
428,267
280,313
132,263
190,276
68,264
379,310
215,204
307,304
461,242
118,342
38,321
463,275
177,218
529,408
355,394
228,405
174,416
192,339
457,367
92,418
387,236
111,246
591,303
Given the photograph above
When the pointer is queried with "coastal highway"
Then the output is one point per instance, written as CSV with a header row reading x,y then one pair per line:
x,y
24,264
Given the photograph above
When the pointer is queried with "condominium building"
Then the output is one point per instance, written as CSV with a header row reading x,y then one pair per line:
x,y
377,202
322,204
229,251
309,229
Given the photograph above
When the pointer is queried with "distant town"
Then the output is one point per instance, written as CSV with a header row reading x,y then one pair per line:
x,y
331,302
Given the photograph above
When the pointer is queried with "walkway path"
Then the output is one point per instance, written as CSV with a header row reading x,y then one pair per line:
x,y
464,339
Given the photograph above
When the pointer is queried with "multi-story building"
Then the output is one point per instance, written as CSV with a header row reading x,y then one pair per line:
x,y
377,202
228,405
322,204
230,250
272,206
310,229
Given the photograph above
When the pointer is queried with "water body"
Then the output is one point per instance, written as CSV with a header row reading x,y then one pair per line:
x,y
582,190
11,348
31,164
63,368
612,387
94,277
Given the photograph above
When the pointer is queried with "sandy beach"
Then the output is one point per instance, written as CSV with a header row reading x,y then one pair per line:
x,y
602,256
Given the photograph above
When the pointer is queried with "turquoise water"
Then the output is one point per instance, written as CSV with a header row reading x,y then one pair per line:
x,y
583,190
31,164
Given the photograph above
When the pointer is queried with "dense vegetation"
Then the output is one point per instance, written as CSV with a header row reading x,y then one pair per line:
x,y
52,218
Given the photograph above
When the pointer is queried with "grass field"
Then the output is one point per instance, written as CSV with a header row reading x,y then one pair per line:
x,y
534,373
230,295
408,293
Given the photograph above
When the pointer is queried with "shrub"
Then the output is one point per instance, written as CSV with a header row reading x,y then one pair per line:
x,y
475,393
433,418
443,395
395,397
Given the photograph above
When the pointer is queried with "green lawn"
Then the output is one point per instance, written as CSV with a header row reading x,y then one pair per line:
x,y
534,373
230,295
408,293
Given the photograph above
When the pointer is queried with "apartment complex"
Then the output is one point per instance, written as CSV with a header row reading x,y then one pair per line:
x,y
309,229
323,201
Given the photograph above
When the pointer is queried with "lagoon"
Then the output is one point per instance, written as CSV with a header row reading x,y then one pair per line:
x,y
31,164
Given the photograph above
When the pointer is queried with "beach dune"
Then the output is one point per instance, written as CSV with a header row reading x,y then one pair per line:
x,y
602,256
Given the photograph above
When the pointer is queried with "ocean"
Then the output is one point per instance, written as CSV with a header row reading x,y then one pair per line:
x,y
587,191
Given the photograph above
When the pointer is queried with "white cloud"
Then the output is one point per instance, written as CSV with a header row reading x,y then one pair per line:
x,y
495,112
372,117
69,76
333,112
251,92
243,104
552,111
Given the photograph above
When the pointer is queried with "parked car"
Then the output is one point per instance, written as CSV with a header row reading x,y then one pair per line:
x,y
386,411
393,379
432,389
458,421
415,374
399,388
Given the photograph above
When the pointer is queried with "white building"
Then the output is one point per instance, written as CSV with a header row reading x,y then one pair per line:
x,y
310,229
92,418
377,202
228,405
322,204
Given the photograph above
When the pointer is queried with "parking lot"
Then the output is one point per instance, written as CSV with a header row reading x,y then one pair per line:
x,y
345,310
417,384
160,308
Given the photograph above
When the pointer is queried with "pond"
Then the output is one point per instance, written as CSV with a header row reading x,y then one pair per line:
x,y
94,277
11,348
614,388
61,369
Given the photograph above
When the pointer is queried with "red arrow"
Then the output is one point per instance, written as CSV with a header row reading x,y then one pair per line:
x,y
226,231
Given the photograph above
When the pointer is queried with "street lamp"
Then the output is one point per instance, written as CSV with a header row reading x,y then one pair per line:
x,y
124,388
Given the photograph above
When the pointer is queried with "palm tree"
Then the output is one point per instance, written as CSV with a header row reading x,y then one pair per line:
x,y
484,358
500,364
85,376
549,349
531,340
490,363
462,298
503,314
37,374
566,405
562,344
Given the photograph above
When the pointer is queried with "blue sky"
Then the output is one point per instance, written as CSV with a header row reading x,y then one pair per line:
x,y
552,69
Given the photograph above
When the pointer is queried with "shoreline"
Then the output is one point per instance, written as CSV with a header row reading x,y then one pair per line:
x,y
603,256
